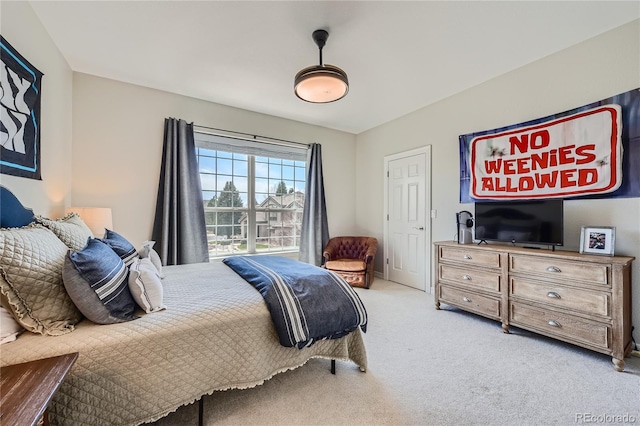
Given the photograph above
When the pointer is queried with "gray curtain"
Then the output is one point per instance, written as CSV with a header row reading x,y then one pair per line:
x,y
314,234
179,228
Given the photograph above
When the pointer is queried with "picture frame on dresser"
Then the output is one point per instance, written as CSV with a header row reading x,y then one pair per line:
x,y
598,240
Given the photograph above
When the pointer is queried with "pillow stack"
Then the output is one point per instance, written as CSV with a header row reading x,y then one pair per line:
x,y
107,279
53,272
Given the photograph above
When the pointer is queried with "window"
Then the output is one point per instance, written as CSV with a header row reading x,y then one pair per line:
x,y
252,193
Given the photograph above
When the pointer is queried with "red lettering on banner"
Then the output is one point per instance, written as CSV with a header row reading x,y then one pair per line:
x,y
526,183
587,157
523,165
487,184
538,140
565,154
543,135
493,166
587,177
553,159
550,159
547,179
539,161
509,167
565,178
522,144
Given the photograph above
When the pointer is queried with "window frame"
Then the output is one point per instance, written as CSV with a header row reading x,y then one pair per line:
x,y
256,150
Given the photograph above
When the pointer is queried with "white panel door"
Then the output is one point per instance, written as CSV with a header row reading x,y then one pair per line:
x,y
408,226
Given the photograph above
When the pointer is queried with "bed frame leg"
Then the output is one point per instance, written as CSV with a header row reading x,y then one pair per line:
x,y
333,366
200,411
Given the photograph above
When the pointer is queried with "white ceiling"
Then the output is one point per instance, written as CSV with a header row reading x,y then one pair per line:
x,y
399,56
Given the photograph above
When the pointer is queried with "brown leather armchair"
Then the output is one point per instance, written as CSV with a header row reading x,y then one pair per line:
x,y
352,258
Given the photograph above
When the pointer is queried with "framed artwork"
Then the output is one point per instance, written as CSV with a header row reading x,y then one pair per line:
x,y
598,240
20,89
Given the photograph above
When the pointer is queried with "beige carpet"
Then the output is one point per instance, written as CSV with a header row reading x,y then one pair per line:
x,y
429,367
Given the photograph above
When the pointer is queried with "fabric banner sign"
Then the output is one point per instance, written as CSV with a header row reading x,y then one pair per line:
x,y
575,155
20,84
589,152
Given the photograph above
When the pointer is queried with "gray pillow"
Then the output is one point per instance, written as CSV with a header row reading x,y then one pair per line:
x,y
31,260
96,280
70,229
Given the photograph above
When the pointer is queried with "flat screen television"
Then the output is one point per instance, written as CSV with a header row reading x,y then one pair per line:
x,y
537,222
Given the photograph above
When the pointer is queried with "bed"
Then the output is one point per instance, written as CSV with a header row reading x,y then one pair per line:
x,y
216,333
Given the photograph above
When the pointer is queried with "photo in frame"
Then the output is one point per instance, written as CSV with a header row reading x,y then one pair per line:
x,y
21,88
598,240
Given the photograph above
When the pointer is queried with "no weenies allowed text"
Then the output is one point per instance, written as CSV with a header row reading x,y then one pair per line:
x,y
580,154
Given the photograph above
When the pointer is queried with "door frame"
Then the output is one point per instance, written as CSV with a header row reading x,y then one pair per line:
x,y
427,211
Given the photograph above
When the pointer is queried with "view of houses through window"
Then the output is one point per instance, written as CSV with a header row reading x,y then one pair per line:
x,y
252,203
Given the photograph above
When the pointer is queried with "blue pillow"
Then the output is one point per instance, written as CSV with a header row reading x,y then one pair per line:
x,y
96,270
13,214
121,246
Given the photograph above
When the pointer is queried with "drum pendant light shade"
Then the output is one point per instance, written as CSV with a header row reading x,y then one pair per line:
x,y
321,83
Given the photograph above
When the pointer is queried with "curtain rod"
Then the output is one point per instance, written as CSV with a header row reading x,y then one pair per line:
x,y
264,139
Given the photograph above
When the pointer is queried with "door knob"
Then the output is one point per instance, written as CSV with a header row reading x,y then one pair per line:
x,y
419,228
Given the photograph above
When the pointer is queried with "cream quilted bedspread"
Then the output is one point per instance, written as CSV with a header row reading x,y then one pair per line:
x,y
215,334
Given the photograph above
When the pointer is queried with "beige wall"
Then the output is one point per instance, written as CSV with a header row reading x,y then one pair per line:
x,y
22,29
588,72
117,149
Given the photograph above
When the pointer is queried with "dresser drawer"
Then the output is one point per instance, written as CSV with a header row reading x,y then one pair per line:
x,y
562,326
471,278
470,301
469,256
555,269
580,300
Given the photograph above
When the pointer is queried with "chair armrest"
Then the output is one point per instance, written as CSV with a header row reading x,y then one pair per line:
x,y
331,249
372,249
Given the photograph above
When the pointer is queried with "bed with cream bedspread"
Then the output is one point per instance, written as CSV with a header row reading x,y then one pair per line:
x,y
215,334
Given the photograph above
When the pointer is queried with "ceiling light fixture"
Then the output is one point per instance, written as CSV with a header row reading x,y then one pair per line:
x,y
321,83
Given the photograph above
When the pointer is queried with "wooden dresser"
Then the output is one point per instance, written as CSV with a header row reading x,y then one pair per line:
x,y
577,298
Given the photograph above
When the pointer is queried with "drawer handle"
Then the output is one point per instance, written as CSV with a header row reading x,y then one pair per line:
x,y
466,277
466,256
466,299
553,323
553,269
553,295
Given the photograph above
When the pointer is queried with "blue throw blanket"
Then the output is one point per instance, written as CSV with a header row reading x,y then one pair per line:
x,y
307,303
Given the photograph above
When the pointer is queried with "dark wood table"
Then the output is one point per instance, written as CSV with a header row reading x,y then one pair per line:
x,y
27,388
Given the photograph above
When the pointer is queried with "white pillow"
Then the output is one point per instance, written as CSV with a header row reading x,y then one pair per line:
x,y
148,251
9,327
145,285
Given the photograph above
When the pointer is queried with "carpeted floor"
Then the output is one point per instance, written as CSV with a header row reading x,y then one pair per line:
x,y
429,367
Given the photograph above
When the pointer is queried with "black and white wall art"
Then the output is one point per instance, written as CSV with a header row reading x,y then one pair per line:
x,y
20,91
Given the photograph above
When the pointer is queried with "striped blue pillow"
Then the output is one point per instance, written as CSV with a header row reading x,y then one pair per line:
x,y
121,246
107,275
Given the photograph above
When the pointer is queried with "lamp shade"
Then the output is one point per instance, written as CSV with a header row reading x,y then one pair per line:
x,y
96,218
321,84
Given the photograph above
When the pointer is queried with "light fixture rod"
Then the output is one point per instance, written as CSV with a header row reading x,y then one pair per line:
x,y
320,38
